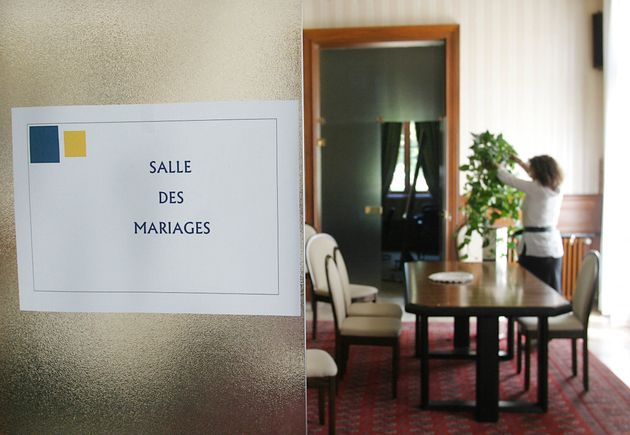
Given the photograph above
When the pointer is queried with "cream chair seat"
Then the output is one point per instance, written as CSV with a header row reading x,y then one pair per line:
x,y
357,291
360,291
564,322
370,326
371,309
319,364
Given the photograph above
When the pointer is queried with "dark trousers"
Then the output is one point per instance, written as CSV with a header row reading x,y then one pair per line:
x,y
547,269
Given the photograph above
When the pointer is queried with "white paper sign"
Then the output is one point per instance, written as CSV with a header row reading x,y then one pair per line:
x,y
172,208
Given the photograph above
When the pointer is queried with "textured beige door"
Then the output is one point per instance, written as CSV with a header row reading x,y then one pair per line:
x,y
149,373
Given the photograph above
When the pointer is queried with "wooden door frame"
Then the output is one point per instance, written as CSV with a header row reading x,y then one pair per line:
x,y
316,39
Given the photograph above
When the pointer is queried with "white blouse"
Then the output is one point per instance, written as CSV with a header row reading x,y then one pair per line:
x,y
541,208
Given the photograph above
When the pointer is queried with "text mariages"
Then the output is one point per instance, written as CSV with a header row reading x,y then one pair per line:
x,y
161,227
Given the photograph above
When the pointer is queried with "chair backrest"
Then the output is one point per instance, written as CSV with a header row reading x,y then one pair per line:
x,y
336,291
343,274
317,248
587,284
309,232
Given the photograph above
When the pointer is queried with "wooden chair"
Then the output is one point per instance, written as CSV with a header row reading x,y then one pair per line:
x,y
317,248
369,309
360,330
321,373
573,325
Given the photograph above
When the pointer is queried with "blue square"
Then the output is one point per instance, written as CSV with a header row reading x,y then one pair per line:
x,y
44,144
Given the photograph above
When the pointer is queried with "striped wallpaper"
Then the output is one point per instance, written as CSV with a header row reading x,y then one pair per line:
x,y
525,66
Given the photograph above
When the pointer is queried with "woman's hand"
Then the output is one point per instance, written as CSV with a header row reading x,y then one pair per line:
x,y
521,163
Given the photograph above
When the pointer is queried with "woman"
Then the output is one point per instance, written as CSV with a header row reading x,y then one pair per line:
x,y
540,251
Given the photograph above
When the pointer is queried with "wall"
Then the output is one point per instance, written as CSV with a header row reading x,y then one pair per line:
x,y
127,373
525,71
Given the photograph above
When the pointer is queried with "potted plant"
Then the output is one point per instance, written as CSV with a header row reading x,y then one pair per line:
x,y
487,199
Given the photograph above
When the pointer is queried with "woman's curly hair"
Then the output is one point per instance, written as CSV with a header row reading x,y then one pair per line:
x,y
545,170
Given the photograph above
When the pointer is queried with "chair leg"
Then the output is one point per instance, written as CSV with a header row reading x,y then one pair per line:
x,y
314,305
395,364
321,401
345,354
527,362
585,361
417,335
331,405
574,356
510,337
338,356
519,350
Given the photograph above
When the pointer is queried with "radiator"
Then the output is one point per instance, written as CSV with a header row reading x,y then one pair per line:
x,y
575,247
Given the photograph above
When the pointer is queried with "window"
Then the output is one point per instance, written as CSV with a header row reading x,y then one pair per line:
x,y
406,162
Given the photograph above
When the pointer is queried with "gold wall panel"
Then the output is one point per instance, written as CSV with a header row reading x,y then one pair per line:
x,y
144,373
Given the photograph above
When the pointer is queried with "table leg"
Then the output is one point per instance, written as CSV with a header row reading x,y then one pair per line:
x,y
461,333
543,361
487,386
424,362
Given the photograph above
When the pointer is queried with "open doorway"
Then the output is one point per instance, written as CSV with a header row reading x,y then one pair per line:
x,y
413,193
344,142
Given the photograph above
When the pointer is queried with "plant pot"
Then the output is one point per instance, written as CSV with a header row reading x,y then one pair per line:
x,y
495,246
472,251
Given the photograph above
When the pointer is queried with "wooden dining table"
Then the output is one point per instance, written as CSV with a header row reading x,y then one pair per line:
x,y
496,289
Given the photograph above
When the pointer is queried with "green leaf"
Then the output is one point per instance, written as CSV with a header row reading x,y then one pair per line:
x,y
487,198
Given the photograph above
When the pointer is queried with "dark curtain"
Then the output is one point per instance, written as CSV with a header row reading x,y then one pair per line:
x,y
390,142
430,143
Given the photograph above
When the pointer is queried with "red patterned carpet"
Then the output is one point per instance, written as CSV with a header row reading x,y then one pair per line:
x,y
364,404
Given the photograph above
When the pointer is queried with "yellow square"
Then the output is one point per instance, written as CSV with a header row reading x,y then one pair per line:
x,y
74,144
